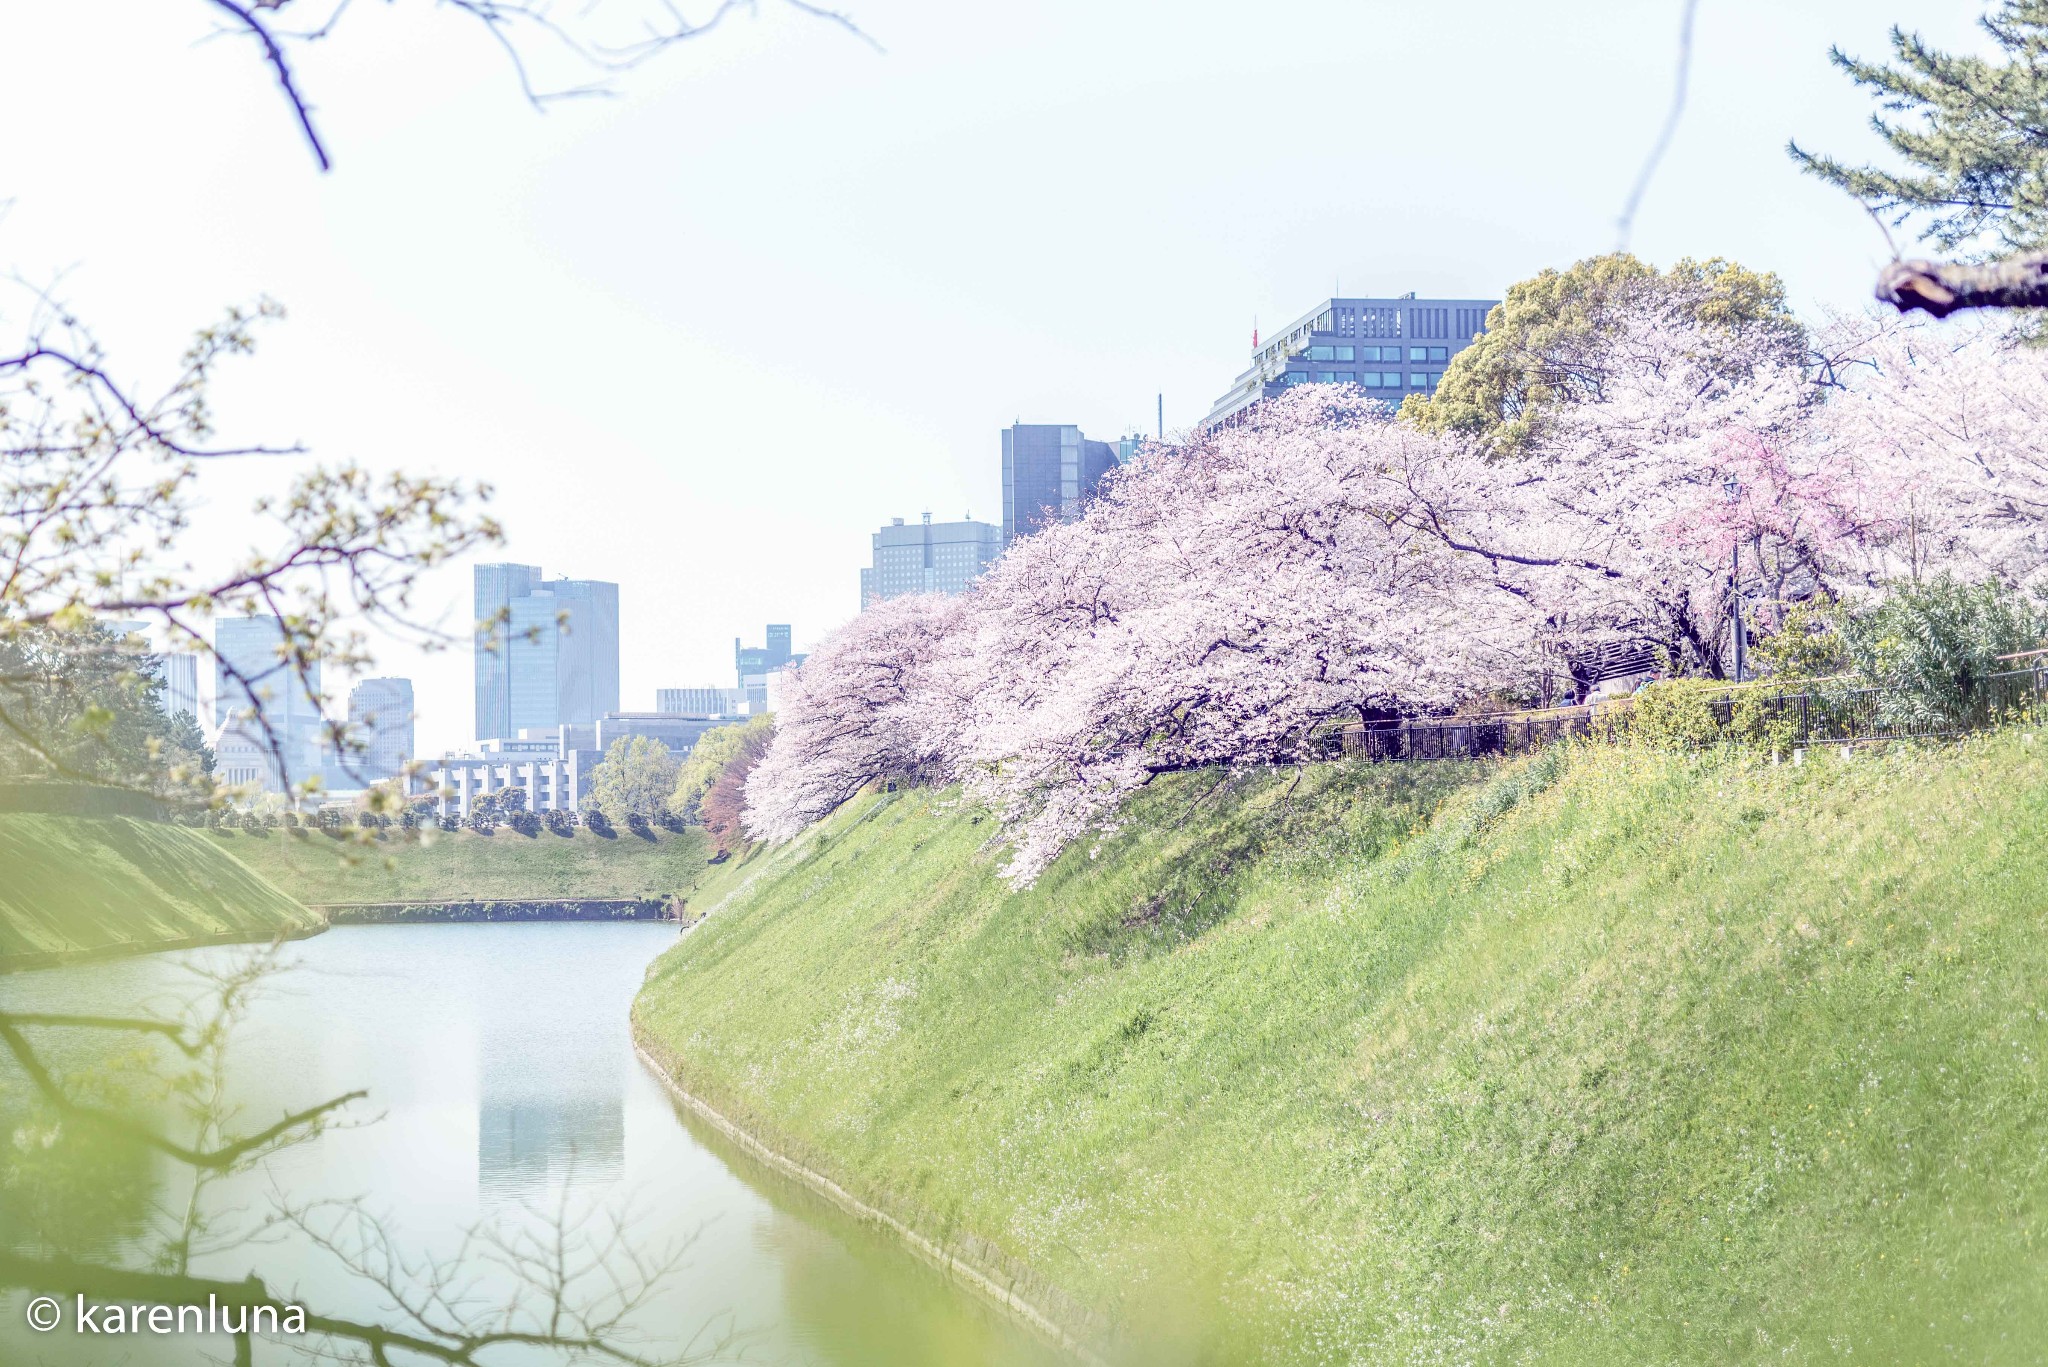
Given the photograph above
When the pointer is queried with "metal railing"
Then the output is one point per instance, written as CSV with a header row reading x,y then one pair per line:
x,y
1817,715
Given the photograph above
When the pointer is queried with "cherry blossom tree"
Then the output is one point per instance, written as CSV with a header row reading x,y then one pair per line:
x,y
1618,522
1215,605
1219,604
865,705
1950,421
1225,598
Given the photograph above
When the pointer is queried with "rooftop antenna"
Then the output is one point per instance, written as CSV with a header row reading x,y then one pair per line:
x,y
1162,415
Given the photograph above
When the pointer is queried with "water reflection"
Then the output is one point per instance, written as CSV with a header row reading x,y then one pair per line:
x,y
525,1148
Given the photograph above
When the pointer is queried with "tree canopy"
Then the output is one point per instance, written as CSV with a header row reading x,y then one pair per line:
x,y
1972,132
1543,343
635,778
715,749
82,704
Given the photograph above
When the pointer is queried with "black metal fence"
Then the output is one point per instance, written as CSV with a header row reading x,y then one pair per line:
x,y
1821,714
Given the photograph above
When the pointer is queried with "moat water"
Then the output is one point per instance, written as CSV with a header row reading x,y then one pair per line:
x,y
504,1094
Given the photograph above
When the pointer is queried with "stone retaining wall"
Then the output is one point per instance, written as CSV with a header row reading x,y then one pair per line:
x,y
544,909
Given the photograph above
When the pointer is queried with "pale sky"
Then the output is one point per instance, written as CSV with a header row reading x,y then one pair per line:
x,y
704,337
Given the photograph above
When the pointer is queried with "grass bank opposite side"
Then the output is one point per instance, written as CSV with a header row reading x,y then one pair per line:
x,y
74,887
1609,1055
468,866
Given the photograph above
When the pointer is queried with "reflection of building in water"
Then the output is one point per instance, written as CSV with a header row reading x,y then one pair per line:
x,y
521,1145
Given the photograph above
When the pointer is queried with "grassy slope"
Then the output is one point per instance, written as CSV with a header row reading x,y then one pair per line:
x,y
1622,1057
461,865
75,884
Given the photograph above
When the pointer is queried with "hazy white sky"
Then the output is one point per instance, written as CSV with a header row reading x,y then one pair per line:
x,y
706,336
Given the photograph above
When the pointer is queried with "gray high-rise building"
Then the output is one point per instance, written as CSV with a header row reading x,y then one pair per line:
x,y
1050,471
932,557
495,588
753,661
264,709
1390,348
181,684
753,665
547,650
380,715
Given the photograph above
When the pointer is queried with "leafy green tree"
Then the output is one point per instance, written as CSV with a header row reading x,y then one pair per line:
x,y
1806,645
715,749
78,701
1931,647
1971,131
725,802
636,778
1541,344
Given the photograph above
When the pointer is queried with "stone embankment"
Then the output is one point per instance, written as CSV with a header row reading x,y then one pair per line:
x,y
499,909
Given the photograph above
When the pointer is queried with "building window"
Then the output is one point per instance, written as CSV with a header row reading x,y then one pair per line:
x,y
1343,353
1293,377
1322,353
1326,377
1418,353
1418,381
1439,354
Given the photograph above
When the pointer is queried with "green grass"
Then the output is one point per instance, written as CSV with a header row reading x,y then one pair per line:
x,y
463,865
79,885
1609,1056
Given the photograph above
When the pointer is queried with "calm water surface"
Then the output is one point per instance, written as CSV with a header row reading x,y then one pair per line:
x,y
502,1082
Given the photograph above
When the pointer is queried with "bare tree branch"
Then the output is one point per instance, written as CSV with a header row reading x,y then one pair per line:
x,y
1626,224
508,22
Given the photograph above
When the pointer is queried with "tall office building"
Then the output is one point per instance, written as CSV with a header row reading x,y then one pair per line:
x,y
932,557
751,661
1049,474
181,684
260,701
179,668
495,588
380,716
547,650
1391,348
754,664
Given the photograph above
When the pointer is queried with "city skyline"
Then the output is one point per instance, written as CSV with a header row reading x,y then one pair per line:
x,y
545,651
824,206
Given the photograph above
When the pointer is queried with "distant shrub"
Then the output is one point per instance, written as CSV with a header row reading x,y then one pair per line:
x,y
1806,645
1688,713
